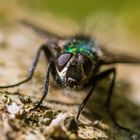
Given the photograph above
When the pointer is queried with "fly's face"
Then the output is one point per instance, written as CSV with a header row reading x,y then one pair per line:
x,y
73,69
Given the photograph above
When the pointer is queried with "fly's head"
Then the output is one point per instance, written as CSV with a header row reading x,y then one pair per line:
x,y
73,69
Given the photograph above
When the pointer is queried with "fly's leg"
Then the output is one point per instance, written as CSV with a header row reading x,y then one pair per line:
x,y
34,64
110,92
46,84
94,83
96,79
82,105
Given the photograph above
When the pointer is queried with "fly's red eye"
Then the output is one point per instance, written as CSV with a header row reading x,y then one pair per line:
x,y
62,60
87,64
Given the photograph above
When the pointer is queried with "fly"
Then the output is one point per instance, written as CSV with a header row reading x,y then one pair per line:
x,y
76,63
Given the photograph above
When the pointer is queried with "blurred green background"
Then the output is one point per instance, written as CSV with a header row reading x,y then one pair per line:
x,y
126,10
120,18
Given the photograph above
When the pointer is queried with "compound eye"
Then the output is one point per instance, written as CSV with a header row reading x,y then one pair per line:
x,y
87,64
62,60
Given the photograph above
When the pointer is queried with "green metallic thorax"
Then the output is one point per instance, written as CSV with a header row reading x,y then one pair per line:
x,y
80,46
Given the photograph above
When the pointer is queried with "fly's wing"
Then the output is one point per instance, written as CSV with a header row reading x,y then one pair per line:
x,y
113,58
51,37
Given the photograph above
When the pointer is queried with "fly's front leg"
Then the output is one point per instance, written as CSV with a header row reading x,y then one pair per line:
x,y
46,84
34,64
82,105
105,74
96,79
110,92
